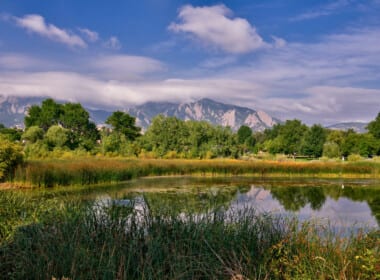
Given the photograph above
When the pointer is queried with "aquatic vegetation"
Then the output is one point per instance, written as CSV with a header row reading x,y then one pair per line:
x,y
88,171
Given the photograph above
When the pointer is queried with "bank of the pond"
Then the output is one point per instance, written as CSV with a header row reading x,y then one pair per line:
x,y
56,238
49,173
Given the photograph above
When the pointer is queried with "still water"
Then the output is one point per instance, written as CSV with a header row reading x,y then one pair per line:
x,y
342,204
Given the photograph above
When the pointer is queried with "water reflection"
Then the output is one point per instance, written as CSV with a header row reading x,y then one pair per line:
x,y
313,204
355,205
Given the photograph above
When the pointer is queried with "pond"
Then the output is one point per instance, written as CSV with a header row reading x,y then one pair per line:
x,y
342,204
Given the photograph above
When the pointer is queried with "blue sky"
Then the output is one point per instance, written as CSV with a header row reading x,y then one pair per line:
x,y
318,61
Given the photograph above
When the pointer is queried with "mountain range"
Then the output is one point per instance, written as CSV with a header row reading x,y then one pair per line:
x,y
359,127
13,110
204,110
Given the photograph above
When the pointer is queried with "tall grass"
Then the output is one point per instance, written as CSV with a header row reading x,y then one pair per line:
x,y
93,171
113,242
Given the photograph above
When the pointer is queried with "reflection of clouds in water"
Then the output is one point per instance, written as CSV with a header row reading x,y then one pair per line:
x,y
259,199
342,213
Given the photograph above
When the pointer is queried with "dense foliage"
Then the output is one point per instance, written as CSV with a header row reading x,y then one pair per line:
x,y
68,121
10,157
65,130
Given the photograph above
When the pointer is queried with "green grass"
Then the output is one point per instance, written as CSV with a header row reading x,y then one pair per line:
x,y
61,237
89,171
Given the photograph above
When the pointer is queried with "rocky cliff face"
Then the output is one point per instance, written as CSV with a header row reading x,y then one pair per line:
x,y
14,109
204,110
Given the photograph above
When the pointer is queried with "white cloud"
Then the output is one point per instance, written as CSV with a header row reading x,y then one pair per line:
x,y
97,92
120,67
36,24
326,10
113,43
91,36
214,26
332,104
278,42
218,62
289,78
12,61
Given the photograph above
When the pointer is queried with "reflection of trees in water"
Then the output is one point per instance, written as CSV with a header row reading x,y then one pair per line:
x,y
197,200
371,195
295,198
374,205
197,194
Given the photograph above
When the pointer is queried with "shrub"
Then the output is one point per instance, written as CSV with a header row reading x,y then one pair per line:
x,y
331,150
10,157
354,157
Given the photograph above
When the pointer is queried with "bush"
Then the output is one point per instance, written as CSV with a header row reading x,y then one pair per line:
x,y
354,157
331,150
10,157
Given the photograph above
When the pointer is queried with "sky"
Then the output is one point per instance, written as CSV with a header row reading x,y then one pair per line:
x,y
317,61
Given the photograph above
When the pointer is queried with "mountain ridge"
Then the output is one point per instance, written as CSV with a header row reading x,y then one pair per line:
x,y
14,109
359,127
204,109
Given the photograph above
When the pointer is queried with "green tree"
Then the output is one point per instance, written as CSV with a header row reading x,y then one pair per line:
x,y
82,132
331,150
167,134
274,146
224,142
33,116
349,144
45,116
336,136
368,145
200,134
285,138
292,133
245,139
244,133
124,123
313,141
374,127
72,116
272,133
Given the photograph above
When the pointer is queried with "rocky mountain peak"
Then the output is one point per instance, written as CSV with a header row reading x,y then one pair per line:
x,y
204,109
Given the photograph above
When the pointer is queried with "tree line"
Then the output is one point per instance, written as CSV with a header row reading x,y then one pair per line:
x,y
57,130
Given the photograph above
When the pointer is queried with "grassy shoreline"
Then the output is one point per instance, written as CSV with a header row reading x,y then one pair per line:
x,y
90,171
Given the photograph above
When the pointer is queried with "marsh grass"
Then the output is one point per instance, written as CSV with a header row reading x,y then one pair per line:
x,y
67,238
89,171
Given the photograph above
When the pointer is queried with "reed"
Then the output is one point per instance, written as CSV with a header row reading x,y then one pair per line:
x,y
82,241
88,171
